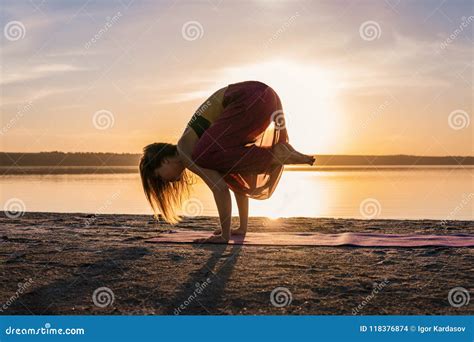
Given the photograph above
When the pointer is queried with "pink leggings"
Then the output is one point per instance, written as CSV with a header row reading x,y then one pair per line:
x,y
234,142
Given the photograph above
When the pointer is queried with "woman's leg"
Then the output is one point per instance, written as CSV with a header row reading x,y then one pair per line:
x,y
251,158
243,205
285,154
227,146
237,159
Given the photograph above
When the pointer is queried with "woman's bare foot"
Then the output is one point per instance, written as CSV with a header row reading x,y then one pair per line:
x,y
237,231
286,154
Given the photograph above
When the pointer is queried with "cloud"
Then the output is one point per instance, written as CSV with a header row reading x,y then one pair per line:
x,y
35,72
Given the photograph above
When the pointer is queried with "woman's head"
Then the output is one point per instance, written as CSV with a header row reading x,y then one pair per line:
x,y
164,179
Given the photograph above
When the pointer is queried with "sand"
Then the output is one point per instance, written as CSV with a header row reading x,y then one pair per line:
x,y
51,263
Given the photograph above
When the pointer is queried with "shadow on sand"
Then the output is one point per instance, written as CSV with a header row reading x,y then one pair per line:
x,y
188,301
62,295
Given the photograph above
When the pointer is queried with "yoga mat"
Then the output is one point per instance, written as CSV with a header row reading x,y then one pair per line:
x,y
319,239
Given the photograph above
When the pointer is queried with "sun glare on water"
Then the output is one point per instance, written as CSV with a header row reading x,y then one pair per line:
x,y
308,95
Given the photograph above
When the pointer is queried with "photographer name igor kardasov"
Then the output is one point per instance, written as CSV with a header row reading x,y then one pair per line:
x,y
440,328
405,328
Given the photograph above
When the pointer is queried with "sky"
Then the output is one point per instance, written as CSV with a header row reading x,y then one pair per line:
x,y
355,77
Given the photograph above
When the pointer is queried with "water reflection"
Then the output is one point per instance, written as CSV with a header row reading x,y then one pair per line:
x,y
420,193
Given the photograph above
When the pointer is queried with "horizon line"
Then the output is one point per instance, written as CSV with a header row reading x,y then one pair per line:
x,y
315,154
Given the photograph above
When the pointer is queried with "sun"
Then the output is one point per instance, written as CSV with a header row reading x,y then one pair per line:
x,y
308,95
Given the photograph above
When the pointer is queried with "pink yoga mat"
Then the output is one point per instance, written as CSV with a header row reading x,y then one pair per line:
x,y
319,239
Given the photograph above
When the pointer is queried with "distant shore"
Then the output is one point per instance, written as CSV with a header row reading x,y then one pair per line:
x,y
72,170
58,260
15,159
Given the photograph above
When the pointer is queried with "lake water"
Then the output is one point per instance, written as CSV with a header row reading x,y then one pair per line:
x,y
400,193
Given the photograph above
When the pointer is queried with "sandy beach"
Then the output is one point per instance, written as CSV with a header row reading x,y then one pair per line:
x,y
51,263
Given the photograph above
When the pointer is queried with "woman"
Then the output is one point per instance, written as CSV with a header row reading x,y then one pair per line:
x,y
235,141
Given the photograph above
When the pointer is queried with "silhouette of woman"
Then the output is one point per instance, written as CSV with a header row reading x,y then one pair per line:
x,y
236,140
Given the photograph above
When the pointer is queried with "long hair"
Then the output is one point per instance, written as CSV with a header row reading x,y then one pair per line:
x,y
163,196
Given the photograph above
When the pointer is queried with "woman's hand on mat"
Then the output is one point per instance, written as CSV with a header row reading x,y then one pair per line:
x,y
236,231
213,239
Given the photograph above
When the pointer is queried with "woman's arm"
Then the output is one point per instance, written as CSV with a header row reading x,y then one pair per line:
x,y
224,207
210,109
221,193
219,188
